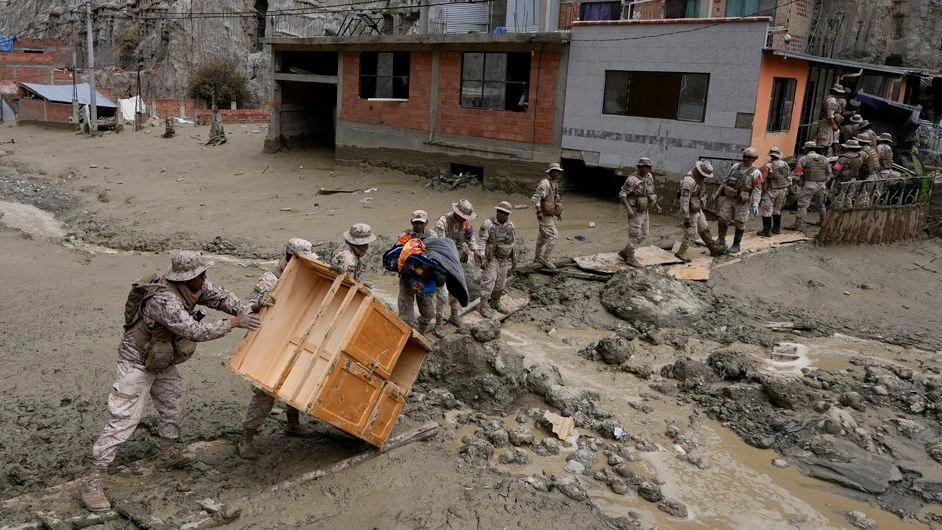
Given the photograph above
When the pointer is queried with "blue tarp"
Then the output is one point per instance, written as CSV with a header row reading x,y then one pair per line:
x,y
6,43
6,111
63,94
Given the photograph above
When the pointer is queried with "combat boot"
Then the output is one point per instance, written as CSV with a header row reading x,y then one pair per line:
x,y
293,425
172,456
246,446
737,239
628,254
93,492
485,308
495,301
766,227
681,253
716,248
455,317
776,223
721,229
796,225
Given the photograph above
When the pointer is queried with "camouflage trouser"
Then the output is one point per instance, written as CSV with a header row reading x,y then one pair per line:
x,y
546,237
865,194
772,201
494,277
698,223
259,408
637,229
426,303
126,407
734,210
443,298
811,192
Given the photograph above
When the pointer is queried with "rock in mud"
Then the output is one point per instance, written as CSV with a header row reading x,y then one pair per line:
x,y
542,376
619,486
614,350
860,520
515,456
574,467
486,330
572,487
520,435
546,447
639,369
934,449
488,376
475,450
686,369
673,507
843,462
649,296
650,492
584,457
731,366
788,392
630,476
496,434
537,482
442,398
569,399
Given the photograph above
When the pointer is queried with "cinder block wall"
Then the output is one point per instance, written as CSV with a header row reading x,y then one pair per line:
x,y
730,52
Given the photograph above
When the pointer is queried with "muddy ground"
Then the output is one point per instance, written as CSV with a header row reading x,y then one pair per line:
x,y
729,438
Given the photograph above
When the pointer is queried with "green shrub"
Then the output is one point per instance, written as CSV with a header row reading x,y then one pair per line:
x,y
221,80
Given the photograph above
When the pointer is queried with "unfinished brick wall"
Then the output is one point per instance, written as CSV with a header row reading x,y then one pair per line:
x,y
171,107
35,109
412,114
535,125
568,13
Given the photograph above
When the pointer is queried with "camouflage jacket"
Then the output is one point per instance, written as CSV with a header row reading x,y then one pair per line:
x,y
345,261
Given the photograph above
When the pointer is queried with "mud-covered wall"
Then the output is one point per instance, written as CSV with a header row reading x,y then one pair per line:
x,y
895,32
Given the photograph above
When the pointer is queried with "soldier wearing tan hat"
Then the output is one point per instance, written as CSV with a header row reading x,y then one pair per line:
x,y
262,402
356,243
693,199
456,226
549,207
498,236
160,334
814,172
637,196
885,151
409,297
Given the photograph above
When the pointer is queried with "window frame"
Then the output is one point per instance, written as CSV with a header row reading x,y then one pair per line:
x,y
514,96
370,78
781,96
651,103
615,9
742,8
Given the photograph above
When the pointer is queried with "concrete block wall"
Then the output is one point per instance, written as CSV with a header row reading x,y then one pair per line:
x,y
730,52
40,110
171,107
412,114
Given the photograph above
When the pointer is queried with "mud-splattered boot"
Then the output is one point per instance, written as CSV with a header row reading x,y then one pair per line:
x,y
628,254
455,317
293,425
484,307
796,225
495,301
776,223
93,492
246,447
716,248
681,253
172,456
766,228
721,229
737,239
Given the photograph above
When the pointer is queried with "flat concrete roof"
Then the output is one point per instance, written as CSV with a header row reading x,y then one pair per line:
x,y
670,21
441,41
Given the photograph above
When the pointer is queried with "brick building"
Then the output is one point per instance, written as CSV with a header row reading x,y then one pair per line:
x,y
463,101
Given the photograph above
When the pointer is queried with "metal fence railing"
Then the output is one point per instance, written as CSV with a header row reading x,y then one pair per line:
x,y
881,193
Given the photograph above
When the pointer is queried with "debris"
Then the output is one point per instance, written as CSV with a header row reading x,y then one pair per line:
x,y
180,179
443,183
619,433
521,206
591,224
284,209
93,166
562,425
217,132
370,190
331,191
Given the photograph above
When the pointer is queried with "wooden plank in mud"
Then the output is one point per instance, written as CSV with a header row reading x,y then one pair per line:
x,y
610,262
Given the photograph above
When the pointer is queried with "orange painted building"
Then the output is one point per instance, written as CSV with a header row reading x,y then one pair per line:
x,y
782,84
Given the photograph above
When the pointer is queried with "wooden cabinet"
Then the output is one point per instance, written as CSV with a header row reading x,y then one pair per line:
x,y
331,350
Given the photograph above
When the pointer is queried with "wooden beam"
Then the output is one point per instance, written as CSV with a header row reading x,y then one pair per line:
x,y
306,78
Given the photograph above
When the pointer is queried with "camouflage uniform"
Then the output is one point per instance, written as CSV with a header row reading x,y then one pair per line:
x,y
549,201
826,136
168,313
847,169
741,191
692,200
345,261
639,192
815,172
408,297
774,188
448,226
498,240
885,154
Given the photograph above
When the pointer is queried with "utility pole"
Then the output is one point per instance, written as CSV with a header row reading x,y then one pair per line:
x,y
92,104
75,103
137,102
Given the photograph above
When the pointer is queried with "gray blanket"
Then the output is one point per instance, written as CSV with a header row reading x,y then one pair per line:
x,y
444,251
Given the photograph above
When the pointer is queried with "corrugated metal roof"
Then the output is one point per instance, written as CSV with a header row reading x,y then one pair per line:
x,y
465,18
63,94
895,70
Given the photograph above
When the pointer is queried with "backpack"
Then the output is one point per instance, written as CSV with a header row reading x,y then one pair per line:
x,y
141,289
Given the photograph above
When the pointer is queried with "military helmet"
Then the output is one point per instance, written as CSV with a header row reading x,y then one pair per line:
x,y
296,245
644,161
750,152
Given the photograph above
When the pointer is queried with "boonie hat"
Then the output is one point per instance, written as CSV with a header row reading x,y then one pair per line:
x,y
856,118
838,88
420,215
505,206
886,137
464,209
186,265
862,139
296,245
776,152
704,167
644,161
359,234
750,152
554,167
809,145
851,144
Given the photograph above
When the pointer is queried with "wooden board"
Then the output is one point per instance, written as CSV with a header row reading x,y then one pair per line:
x,y
610,262
697,270
752,243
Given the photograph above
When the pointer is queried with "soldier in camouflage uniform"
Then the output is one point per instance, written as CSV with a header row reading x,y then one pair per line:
x,y
692,200
814,172
160,336
262,402
740,192
829,125
850,128
549,207
638,197
456,225
775,181
885,153
408,296
869,169
498,235
356,243
847,169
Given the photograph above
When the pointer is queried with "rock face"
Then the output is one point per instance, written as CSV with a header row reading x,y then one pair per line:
x,y
648,296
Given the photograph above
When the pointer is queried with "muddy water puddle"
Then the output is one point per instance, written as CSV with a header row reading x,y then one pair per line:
x,y
741,488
